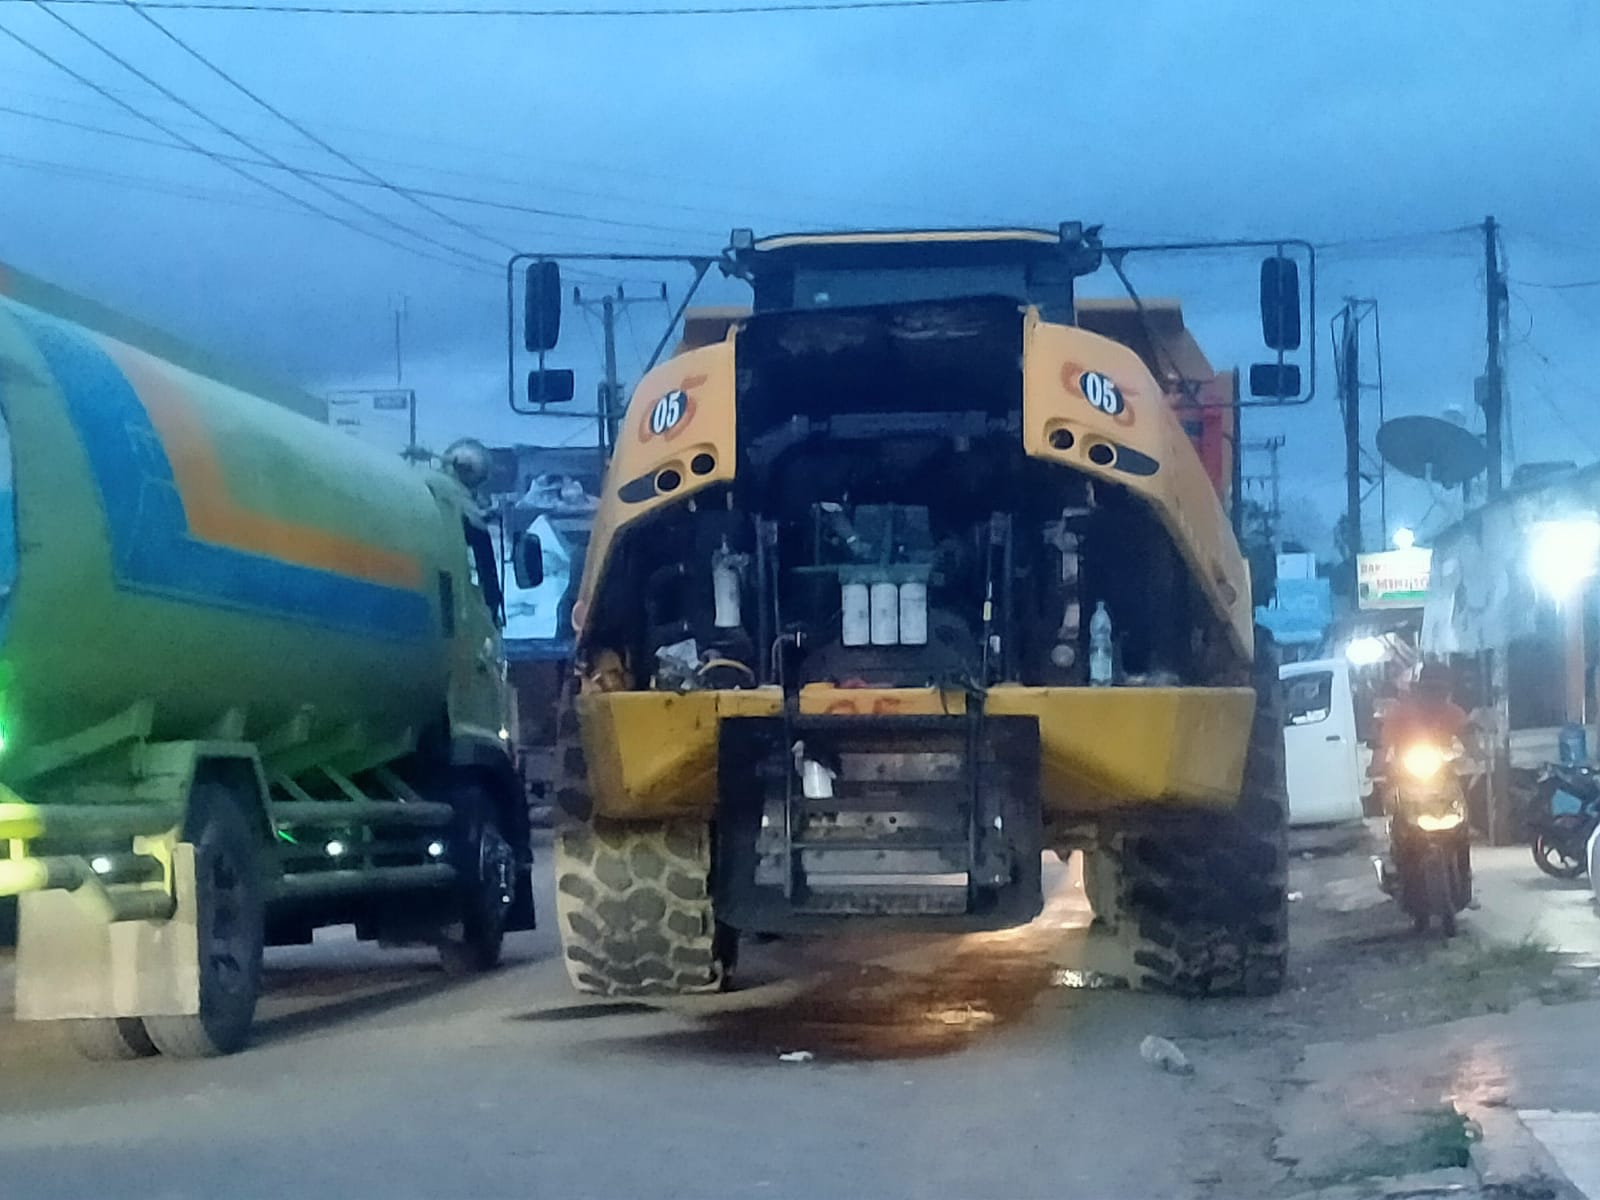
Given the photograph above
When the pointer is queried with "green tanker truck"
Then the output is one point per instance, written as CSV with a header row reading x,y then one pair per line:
x,y
250,685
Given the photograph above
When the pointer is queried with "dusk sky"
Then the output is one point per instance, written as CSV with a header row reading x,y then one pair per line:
x,y
1379,131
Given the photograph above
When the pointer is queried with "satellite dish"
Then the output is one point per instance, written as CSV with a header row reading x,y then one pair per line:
x,y
1432,449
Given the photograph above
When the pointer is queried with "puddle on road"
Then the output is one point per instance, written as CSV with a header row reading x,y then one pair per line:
x,y
341,981
875,997
586,1012
872,1012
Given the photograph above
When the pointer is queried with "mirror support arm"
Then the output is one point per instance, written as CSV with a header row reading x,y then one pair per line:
x,y
699,263
701,266
1277,245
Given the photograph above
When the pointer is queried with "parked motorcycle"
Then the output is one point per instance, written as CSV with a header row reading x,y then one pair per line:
x,y
1429,872
1566,812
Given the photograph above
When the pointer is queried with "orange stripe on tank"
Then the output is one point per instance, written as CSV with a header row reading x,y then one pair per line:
x,y
211,511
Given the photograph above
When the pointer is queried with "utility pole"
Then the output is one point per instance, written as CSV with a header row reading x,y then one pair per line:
x,y
401,313
1273,446
1350,402
1499,774
1493,379
610,400
1274,481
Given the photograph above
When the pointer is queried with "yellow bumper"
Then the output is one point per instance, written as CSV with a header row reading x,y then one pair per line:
x,y
654,754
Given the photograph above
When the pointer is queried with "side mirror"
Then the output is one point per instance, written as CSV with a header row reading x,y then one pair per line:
x,y
541,307
549,387
527,561
1279,381
1280,304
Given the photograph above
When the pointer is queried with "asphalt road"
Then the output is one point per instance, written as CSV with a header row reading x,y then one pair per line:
x,y
947,1067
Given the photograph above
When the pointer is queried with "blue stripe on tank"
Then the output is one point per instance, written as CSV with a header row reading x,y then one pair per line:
x,y
151,548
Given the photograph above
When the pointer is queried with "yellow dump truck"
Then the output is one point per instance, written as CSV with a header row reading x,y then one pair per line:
x,y
899,579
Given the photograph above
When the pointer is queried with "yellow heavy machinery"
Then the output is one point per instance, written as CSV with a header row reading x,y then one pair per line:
x,y
899,579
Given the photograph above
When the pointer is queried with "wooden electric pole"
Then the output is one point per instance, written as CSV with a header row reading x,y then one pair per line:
x,y
1499,773
1350,403
611,399
1493,378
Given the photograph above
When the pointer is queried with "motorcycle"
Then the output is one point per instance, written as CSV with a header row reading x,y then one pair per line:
x,y
1429,872
1566,814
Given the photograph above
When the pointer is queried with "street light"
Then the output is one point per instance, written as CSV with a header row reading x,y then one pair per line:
x,y
1365,651
1404,538
1564,554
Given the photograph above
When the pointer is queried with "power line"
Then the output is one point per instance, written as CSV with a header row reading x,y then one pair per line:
x,y
244,160
631,173
1549,400
459,258
1392,238
73,171
213,196
359,181
1400,244
376,10
369,174
730,213
1559,287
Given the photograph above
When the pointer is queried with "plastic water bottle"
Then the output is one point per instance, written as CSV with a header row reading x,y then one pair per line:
x,y
1100,646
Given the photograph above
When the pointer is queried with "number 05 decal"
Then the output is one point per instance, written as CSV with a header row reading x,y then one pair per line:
x,y
668,411
1101,392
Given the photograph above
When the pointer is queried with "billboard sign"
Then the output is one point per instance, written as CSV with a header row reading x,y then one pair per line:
x,y
1393,578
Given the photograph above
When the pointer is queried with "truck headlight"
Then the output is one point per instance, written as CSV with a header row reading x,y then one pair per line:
x,y
1438,822
1422,761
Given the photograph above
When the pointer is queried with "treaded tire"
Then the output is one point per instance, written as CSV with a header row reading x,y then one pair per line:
x,y
633,908
1205,899
1552,860
632,899
231,911
110,1039
473,945
572,800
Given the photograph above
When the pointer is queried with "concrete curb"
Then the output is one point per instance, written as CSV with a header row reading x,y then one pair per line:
x,y
1510,1162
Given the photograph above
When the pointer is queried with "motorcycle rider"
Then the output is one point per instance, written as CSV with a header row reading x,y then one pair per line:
x,y
1423,713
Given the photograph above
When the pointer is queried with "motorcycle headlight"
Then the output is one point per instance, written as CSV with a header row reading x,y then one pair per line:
x,y
1438,823
1422,761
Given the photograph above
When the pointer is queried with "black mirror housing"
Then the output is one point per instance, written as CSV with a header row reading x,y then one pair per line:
x,y
541,307
550,387
527,561
1276,381
1280,304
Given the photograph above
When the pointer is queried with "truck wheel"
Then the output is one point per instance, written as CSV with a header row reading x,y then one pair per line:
x,y
109,1039
486,868
231,913
634,910
571,783
1206,900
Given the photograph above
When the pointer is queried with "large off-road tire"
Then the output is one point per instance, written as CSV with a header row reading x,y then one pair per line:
x,y
109,1039
486,871
633,907
231,910
1204,899
632,897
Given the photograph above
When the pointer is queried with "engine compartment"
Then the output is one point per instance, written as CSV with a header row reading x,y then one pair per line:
x,y
886,529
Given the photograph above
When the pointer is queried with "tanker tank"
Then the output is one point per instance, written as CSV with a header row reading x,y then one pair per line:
x,y
250,684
